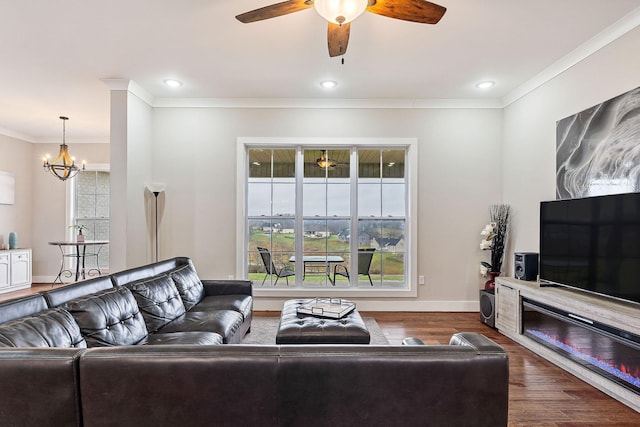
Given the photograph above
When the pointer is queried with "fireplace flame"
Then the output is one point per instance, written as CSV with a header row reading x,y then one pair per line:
x,y
626,373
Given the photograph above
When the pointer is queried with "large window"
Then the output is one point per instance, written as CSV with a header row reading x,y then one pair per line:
x,y
330,217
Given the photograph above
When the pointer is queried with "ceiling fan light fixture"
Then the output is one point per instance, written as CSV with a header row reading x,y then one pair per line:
x,y
340,11
324,162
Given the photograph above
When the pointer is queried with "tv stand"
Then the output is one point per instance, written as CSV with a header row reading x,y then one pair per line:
x,y
616,314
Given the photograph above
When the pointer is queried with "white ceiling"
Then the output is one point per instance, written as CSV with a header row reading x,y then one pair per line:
x,y
54,54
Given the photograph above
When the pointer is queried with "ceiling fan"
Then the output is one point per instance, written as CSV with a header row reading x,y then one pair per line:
x,y
340,13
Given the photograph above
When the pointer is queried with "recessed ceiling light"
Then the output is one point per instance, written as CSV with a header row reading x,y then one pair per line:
x,y
328,84
484,85
172,83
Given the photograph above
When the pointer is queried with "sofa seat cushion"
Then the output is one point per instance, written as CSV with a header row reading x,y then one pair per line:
x,y
109,317
189,285
180,338
158,300
49,328
243,304
223,322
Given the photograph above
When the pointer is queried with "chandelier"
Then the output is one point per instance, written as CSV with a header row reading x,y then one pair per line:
x,y
64,166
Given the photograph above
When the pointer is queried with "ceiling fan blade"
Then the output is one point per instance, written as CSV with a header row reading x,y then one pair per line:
x,y
420,11
274,10
338,38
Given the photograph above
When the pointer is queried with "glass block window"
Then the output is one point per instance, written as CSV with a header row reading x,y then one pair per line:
x,y
91,209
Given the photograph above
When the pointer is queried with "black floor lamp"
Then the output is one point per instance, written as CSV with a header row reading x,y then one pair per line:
x,y
156,189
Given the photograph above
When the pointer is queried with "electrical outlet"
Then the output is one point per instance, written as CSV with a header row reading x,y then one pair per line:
x,y
421,280
230,277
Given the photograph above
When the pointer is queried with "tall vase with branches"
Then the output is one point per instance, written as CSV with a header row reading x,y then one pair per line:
x,y
495,236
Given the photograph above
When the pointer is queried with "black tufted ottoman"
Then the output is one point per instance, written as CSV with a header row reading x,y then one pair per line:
x,y
306,329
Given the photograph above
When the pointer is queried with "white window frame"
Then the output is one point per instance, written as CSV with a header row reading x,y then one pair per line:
x,y
70,233
410,144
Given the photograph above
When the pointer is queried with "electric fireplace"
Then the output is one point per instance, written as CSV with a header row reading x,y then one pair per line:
x,y
608,351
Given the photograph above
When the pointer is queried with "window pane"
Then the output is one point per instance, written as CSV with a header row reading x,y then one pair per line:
x,y
284,163
101,229
368,230
259,199
259,163
393,199
338,198
392,250
393,269
102,183
86,206
102,206
259,234
314,198
315,236
284,199
278,238
86,182
311,167
339,160
369,198
393,163
369,163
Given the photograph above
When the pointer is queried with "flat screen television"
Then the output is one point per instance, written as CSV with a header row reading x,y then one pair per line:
x,y
592,244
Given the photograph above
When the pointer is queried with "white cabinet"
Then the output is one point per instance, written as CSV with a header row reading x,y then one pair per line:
x,y
15,269
5,270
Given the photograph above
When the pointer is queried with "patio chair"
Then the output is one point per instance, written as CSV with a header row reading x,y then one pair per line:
x,y
364,264
271,269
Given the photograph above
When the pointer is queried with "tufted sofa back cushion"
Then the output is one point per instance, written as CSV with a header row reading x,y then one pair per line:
x,y
21,307
109,317
158,299
49,328
189,285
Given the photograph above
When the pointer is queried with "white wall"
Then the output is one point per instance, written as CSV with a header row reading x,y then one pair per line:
x,y
459,176
529,130
15,157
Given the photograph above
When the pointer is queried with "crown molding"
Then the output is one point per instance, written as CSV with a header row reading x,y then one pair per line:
x,y
588,48
130,86
324,103
16,135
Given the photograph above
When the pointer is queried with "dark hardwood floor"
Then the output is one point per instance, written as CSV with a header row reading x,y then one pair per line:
x,y
540,393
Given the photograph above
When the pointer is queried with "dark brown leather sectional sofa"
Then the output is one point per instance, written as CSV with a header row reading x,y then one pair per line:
x,y
120,351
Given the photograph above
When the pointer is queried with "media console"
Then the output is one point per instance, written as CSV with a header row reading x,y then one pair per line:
x,y
597,339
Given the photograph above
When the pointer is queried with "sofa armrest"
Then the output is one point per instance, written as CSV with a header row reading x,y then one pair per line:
x,y
227,287
477,341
